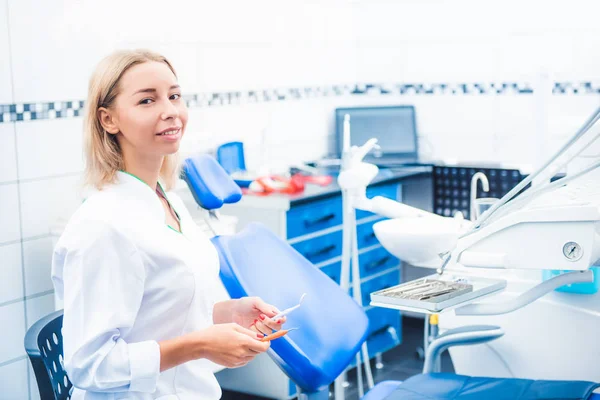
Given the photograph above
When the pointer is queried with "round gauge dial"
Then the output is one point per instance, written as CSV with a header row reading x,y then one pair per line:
x,y
572,251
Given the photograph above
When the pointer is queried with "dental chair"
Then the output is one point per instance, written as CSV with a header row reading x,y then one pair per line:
x,y
331,325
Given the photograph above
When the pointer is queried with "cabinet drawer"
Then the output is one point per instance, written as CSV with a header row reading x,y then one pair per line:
x,y
375,261
385,281
334,271
371,262
382,318
389,191
385,330
321,248
313,217
365,235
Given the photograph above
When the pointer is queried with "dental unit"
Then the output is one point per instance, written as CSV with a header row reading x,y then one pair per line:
x,y
539,225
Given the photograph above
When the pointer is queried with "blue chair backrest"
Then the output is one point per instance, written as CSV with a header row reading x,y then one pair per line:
x,y
231,157
43,343
332,326
255,262
210,185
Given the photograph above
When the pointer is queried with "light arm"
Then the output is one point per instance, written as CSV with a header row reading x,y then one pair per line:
x,y
390,208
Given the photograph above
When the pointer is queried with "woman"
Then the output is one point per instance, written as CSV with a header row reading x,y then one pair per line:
x,y
137,276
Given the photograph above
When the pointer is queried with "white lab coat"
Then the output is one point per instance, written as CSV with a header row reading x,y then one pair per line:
x,y
129,281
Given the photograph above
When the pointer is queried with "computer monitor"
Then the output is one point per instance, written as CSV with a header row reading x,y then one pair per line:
x,y
394,127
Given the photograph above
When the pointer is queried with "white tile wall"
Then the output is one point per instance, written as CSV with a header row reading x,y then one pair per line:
x,y
39,307
13,333
267,129
13,380
566,114
44,202
11,272
37,257
8,157
514,116
276,44
65,70
49,147
9,213
6,90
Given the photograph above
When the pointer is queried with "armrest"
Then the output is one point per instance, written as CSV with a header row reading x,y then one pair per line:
x,y
465,335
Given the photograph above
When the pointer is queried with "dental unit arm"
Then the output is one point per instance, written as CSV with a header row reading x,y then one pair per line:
x,y
550,225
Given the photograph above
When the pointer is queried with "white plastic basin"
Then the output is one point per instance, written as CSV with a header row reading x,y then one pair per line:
x,y
418,241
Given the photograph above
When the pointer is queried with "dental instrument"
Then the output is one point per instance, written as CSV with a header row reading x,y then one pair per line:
x,y
426,288
277,334
289,310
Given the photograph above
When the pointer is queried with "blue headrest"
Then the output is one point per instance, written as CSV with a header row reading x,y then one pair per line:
x,y
231,157
332,326
210,185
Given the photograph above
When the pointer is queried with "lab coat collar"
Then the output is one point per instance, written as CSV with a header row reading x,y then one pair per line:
x,y
141,192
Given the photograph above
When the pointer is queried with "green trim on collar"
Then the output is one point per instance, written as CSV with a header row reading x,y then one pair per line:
x,y
136,177
164,194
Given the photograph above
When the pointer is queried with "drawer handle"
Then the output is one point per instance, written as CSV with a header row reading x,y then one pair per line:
x,y
370,237
324,218
320,252
378,263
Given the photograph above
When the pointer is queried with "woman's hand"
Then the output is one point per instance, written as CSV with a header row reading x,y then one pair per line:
x,y
255,314
229,345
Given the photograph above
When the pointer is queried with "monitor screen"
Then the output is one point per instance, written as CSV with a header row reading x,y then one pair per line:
x,y
392,126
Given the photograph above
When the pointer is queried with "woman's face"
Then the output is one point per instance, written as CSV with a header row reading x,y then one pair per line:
x,y
149,114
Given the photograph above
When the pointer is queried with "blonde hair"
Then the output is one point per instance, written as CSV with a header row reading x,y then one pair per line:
x,y
103,157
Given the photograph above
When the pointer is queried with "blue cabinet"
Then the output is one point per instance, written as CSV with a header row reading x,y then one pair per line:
x,y
313,217
314,229
321,248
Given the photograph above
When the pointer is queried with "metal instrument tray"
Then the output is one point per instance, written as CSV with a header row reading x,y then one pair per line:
x,y
436,293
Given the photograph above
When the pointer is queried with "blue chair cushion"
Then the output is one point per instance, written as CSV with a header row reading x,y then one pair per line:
x,y
382,390
332,326
209,183
443,386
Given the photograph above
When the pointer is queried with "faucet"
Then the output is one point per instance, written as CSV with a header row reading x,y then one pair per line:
x,y
486,188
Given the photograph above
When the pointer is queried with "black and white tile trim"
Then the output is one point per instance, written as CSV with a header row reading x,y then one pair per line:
x,y
66,109
35,111
576,88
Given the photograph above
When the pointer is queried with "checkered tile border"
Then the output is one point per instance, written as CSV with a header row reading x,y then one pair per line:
x,y
576,88
35,111
66,109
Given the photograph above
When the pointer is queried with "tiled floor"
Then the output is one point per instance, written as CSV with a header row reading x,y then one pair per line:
x,y
399,363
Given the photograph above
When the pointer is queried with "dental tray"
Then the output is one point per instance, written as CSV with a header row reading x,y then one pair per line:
x,y
435,293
